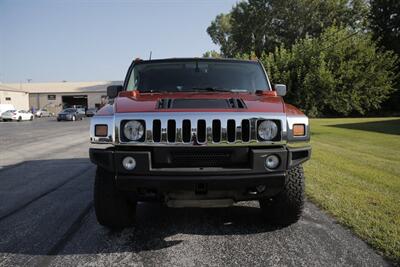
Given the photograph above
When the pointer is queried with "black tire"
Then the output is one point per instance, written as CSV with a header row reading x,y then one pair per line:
x,y
112,208
19,118
31,119
286,208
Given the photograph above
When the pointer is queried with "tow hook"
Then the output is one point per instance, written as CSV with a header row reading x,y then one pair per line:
x,y
257,190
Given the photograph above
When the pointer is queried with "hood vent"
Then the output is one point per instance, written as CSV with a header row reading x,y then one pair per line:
x,y
180,103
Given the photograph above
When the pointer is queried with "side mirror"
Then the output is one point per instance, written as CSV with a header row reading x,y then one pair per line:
x,y
280,89
113,90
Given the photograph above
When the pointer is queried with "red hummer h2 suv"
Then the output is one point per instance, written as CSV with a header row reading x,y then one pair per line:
x,y
198,132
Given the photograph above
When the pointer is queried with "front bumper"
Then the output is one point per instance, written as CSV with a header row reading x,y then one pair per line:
x,y
9,118
150,174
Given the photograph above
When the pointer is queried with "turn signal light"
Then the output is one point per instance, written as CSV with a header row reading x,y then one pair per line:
x,y
299,130
101,130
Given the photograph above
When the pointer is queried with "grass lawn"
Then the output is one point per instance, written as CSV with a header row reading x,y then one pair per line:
x,y
354,174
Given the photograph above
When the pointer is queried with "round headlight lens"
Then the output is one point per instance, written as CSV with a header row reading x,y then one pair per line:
x,y
133,130
267,130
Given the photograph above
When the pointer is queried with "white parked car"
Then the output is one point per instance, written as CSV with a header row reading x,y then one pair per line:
x,y
5,107
17,115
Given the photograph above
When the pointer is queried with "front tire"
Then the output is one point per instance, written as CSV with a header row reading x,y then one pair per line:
x,y
286,208
112,208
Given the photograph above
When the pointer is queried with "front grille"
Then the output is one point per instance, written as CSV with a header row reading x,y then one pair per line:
x,y
178,157
201,131
231,132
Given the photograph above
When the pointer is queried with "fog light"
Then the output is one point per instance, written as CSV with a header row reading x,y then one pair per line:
x,y
129,163
272,161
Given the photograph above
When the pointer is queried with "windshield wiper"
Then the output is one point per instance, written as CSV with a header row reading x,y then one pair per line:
x,y
211,89
219,89
154,91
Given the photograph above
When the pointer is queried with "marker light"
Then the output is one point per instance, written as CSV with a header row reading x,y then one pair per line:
x,y
299,130
100,130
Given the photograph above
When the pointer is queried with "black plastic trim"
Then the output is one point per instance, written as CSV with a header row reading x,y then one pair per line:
x,y
298,155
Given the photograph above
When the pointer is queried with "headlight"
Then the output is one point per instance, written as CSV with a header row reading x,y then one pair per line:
x,y
133,130
267,130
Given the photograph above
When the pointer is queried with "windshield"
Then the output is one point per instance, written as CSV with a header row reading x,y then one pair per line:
x,y
69,110
198,76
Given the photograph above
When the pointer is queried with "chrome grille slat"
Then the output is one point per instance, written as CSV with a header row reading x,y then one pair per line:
x,y
209,133
164,129
178,136
193,126
253,129
224,131
239,130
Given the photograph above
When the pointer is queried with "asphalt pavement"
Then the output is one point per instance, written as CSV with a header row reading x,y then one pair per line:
x,y
47,217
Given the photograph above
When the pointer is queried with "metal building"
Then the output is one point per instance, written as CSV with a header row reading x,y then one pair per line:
x,y
55,96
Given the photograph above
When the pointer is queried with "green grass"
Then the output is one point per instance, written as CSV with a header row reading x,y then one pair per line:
x,y
354,174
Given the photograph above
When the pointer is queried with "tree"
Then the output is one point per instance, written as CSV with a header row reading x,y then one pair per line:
x,y
251,28
260,25
212,54
220,33
385,24
338,73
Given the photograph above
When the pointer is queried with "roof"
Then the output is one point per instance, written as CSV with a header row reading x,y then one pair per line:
x,y
59,87
139,61
4,87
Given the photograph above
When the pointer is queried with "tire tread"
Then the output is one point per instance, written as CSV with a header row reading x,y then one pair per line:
x,y
286,208
112,209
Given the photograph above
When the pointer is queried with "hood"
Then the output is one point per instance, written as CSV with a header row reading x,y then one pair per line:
x,y
197,102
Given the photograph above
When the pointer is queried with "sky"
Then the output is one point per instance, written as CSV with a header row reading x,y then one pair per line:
x,y
77,40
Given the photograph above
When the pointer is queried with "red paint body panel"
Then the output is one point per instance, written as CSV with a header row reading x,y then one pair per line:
x,y
138,102
292,110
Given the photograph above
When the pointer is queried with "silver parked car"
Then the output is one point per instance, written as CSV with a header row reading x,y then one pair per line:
x,y
90,112
43,113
